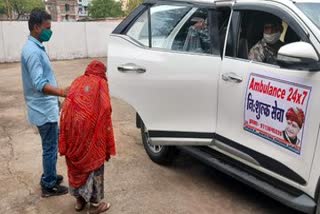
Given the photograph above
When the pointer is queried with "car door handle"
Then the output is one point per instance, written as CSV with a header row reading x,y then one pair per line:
x,y
131,67
231,77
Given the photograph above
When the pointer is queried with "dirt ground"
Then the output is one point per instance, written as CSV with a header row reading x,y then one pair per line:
x,y
133,183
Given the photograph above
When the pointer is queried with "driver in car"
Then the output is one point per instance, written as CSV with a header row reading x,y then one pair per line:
x,y
267,48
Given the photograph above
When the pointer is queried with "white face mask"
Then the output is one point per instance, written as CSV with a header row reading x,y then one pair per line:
x,y
272,38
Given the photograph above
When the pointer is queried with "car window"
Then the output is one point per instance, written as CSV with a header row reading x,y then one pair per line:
x,y
203,32
164,19
182,28
311,9
194,35
259,37
136,31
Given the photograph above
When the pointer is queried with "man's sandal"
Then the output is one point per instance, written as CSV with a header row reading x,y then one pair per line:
x,y
100,208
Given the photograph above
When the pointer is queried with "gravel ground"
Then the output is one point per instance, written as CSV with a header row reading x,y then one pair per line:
x,y
133,183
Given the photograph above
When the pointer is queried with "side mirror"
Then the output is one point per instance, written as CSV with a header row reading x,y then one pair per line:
x,y
297,54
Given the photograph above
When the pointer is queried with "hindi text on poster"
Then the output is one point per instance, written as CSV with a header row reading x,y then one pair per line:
x,y
276,110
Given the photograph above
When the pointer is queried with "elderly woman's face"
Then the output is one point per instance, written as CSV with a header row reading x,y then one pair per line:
x,y
292,129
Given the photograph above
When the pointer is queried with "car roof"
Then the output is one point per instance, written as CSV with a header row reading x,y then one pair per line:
x,y
216,1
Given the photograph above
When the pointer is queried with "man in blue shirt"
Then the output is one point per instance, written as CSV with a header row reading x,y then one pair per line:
x,y
41,95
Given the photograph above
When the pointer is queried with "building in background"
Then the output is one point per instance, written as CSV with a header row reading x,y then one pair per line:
x,y
83,8
63,10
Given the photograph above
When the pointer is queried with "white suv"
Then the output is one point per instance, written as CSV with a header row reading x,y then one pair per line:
x,y
189,70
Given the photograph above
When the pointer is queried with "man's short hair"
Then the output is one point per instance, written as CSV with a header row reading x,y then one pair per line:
x,y
37,17
273,20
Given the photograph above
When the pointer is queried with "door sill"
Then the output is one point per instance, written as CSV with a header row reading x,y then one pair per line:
x,y
293,198
168,141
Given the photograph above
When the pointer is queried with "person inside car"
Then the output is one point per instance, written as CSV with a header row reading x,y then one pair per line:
x,y
267,48
198,38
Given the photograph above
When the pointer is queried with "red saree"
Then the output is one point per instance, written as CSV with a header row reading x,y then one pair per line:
x,y
86,134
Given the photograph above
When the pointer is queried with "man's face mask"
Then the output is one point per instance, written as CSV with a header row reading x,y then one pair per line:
x,y
45,35
272,38
44,31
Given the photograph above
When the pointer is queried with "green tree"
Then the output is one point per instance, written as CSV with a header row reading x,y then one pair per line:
x,y
21,7
132,4
2,8
105,8
5,8
13,9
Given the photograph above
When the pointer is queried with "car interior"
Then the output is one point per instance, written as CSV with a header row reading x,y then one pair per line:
x,y
179,40
251,32
202,14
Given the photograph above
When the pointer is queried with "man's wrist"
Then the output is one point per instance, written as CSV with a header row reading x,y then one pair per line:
x,y
62,93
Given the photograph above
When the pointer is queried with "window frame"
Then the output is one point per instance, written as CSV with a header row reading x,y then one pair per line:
x,y
300,30
148,11
146,7
67,7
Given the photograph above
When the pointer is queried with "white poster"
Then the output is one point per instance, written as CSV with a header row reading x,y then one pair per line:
x,y
276,110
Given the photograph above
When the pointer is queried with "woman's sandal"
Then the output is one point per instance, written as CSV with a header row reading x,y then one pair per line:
x,y
101,208
80,204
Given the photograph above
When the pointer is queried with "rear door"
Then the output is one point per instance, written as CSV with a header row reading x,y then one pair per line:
x,y
165,63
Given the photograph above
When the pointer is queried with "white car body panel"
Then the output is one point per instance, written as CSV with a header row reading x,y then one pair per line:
x,y
171,95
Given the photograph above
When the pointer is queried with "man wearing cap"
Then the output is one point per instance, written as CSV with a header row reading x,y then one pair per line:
x,y
295,120
267,48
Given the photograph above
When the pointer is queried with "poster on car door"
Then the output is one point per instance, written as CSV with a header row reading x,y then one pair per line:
x,y
276,110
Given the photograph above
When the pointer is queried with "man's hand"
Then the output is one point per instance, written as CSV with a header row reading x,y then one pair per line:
x,y
51,90
66,91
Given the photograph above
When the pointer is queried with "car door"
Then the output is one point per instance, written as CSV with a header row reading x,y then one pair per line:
x,y
172,88
256,102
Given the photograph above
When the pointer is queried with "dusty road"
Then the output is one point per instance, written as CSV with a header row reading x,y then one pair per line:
x,y
133,183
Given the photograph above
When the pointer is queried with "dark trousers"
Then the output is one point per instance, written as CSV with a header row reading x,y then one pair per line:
x,y
49,138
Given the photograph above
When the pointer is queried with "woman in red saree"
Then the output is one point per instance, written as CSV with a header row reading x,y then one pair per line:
x,y
86,136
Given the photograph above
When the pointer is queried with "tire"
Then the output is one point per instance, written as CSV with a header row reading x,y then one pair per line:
x,y
163,155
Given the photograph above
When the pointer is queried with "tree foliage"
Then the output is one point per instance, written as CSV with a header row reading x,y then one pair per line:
x,y
2,8
132,4
105,8
14,9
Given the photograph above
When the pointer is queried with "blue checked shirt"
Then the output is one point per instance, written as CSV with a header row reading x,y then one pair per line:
x,y
36,73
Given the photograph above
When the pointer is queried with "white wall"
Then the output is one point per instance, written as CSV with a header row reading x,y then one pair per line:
x,y
2,55
14,35
70,40
96,32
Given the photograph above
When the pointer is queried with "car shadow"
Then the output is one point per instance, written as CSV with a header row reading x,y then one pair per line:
x,y
212,178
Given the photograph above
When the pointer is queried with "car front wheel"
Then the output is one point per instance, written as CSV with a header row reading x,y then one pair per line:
x,y
163,155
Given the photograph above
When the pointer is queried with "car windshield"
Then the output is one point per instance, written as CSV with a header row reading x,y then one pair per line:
x,y
311,10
